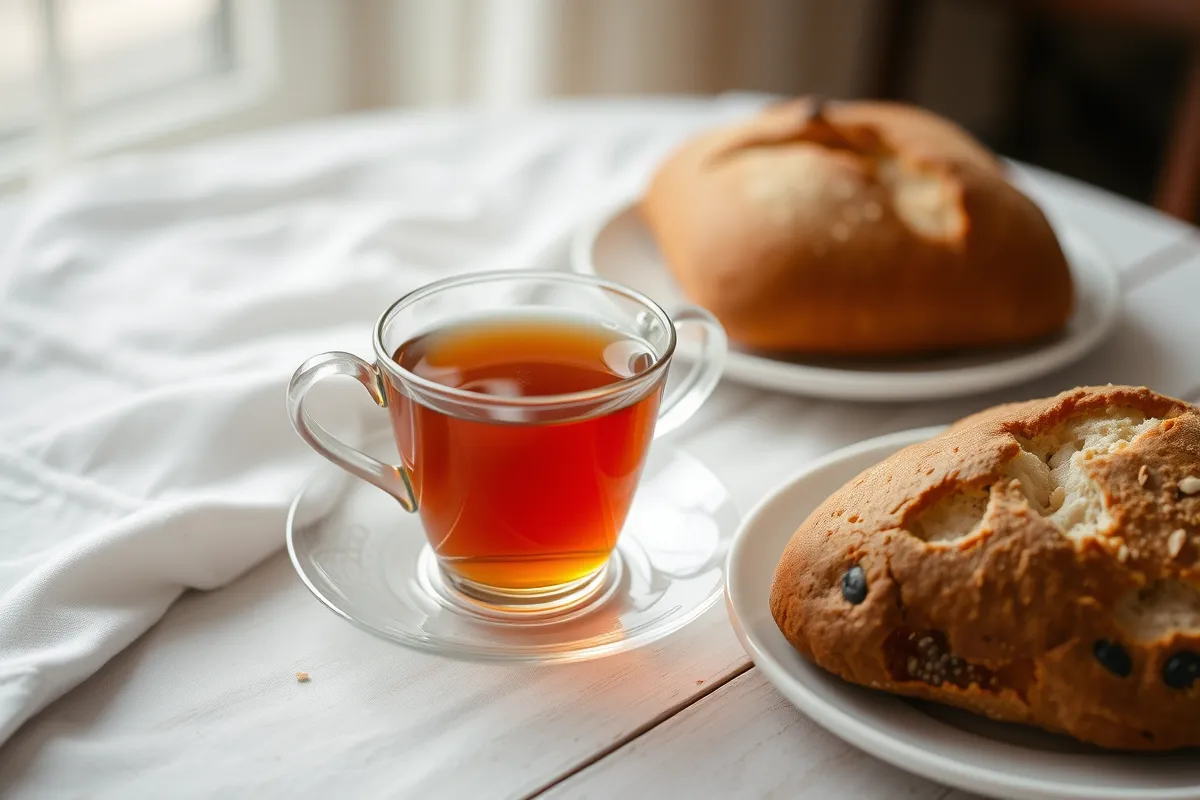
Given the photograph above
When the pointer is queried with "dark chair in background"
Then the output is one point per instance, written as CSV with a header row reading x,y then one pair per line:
x,y
1177,189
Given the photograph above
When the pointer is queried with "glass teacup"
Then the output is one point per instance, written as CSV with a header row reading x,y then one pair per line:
x,y
523,405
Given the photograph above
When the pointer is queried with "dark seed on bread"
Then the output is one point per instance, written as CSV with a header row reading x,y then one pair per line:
x,y
1113,657
1181,670
854,585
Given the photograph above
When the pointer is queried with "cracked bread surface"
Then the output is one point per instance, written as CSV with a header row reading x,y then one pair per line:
x,y
1037,562
856,229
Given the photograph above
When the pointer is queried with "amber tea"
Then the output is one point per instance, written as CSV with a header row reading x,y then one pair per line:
x,y
512,503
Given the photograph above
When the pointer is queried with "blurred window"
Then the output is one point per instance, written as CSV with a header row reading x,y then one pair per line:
x,y
87,75
119,51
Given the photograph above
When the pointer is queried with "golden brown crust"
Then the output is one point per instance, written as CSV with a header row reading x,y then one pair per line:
x,y
866,228
1018,607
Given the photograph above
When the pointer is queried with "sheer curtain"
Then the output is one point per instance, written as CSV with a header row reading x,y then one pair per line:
x,y
320,58
332,57
514,52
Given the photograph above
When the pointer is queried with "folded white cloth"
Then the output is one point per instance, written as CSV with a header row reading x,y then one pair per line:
x,y
153,308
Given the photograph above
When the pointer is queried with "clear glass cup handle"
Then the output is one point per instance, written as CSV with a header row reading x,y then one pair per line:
x,y
392,479
690,393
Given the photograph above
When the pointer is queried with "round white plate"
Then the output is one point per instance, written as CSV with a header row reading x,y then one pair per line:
x,y
944,744
368,560
618,246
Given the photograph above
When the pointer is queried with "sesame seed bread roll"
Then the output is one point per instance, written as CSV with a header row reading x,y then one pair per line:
x,y
1038,562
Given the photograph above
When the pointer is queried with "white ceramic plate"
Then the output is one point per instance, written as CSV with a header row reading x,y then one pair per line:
x,y
947,745
618,246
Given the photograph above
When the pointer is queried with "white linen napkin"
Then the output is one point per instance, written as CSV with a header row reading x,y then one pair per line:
x,y
153,308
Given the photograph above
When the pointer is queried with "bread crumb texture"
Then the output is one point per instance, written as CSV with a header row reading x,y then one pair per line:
x,y
1050,471
1163,608
953,519
1053,464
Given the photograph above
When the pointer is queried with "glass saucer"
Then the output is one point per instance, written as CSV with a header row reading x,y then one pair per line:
x,y
368,560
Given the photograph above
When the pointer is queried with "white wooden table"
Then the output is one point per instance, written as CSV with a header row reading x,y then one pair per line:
x,y
206,703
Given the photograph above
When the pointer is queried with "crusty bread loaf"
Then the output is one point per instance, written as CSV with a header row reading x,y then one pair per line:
x,y
856,229
1038,562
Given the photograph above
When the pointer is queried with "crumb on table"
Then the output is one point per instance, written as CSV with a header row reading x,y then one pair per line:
x,y
302,677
